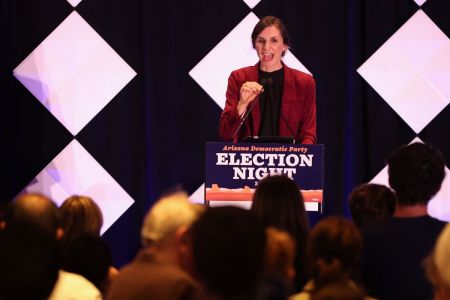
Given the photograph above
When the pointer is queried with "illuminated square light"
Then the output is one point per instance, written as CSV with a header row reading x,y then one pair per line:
x,y
437,71
233,52
42,73
199,195
419,39
75,171
408,71
439,206
112,199
418,103
104,70
251,3
388,70
44,184
420,2
74,3
68,72
75,104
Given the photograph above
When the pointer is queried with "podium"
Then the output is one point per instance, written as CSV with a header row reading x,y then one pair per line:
x,y
234,170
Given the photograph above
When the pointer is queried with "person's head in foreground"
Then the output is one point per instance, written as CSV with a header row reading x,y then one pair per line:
x,y
228,248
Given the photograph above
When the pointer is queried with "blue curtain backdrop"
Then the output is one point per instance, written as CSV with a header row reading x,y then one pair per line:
x,y
151,136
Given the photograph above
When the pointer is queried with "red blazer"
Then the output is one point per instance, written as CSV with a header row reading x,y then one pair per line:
x,y
298,106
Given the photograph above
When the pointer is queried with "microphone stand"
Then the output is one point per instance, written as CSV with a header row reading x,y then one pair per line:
x,y
282,116
247,113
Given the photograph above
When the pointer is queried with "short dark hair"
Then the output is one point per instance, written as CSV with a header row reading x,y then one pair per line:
x,y
416,173
370,202
268,21
228,249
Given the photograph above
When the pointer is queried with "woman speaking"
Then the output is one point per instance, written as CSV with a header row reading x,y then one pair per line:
x,y
269,99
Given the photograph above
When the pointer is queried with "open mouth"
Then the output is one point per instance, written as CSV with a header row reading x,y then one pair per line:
x,y
267,56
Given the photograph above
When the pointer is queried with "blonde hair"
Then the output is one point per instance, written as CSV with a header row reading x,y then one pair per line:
x,y
167,215
438,264
280,253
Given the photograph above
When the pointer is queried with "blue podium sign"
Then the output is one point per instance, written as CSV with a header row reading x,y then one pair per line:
x,y
234,170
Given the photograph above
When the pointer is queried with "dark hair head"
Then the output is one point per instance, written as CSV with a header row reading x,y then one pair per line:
x,y
278,202
228,249
416,173
268,21
35,210
371,202
334,246
29,262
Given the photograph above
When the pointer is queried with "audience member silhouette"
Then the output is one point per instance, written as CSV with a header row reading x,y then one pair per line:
x,y
278,203
334,246
81,216
90,257
228,249
394,248
29,262
36,210
155,273
35,219
370,202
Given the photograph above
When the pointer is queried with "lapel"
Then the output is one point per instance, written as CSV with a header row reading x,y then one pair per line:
x,y
288,90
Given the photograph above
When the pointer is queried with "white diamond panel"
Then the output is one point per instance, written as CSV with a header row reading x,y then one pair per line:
x,y
74,73
74,3
408,71
420,2
75,171
251,3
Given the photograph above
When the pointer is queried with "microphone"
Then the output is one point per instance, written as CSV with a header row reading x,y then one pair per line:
x,y
263,82
269,82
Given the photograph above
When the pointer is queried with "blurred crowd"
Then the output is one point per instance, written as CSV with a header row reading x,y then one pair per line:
x,y
390,248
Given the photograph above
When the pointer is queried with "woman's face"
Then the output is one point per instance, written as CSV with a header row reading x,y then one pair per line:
x,y
269,46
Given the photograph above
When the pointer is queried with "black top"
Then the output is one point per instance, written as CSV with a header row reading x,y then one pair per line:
x,y
393,254
270,101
